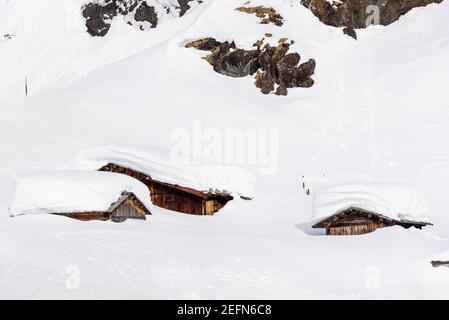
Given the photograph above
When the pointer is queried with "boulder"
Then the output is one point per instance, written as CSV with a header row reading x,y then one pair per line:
x,y
270,65
359,14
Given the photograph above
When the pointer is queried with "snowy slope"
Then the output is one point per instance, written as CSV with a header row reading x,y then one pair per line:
x,y
50,45
378,111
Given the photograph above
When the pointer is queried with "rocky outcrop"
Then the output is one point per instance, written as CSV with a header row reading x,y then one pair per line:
x,y
266,15
98,17
145,13
359,14
206,44
99,14
271,65
350,32
184,6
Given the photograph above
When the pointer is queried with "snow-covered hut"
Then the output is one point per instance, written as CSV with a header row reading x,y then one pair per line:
x,y
358,208
192,189
82,195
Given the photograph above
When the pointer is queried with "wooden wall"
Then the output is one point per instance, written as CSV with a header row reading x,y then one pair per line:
x,y
353,222
351,229
86,216
128,209
175,198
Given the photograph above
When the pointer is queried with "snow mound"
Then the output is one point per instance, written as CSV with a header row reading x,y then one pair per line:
x,y
73,191
394,200
163,167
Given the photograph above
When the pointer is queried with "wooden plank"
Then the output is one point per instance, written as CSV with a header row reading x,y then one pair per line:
x,y
174,197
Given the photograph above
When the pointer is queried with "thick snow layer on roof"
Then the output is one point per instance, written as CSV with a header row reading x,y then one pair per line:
x,y
73,191
159,164
394,200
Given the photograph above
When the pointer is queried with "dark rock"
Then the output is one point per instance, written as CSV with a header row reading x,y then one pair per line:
x,y
305,71
238,63
350,32
206,44
271,64
266,15
292,59
146,13
265,82
281,90
98,17
99,14
356,13
287,71
184,6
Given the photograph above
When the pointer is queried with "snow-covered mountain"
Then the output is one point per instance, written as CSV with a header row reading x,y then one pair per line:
x,y
378,110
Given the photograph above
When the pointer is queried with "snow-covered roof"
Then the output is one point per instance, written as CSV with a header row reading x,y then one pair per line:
x,y
159,164
394,200
74,191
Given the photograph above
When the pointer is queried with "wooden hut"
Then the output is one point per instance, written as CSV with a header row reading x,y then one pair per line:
x,y
354,221
128,206
175,197
82,195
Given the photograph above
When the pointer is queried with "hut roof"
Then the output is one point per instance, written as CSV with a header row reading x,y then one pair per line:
x,y
74,191
396,201
370,215
126,195
160,166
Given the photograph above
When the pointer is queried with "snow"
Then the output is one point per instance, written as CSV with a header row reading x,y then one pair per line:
x,y
378,112
333,1
394,200
52,48
162,166
73,191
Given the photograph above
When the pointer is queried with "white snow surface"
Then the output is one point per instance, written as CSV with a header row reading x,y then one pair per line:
x,y
394,200
64,191
164,167
379,111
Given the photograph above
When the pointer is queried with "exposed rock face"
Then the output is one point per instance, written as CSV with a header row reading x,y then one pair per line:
x,y
100,13
359,14
266,15
98,17
184,6
146,13
206,44
350,32
271,65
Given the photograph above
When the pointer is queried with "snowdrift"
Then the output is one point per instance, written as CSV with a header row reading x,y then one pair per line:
x,y
73,191
161,166
394,200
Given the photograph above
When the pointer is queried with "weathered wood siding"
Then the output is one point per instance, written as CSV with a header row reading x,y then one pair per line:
x,y
175,198
352,229
128,209
354,221
86,216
